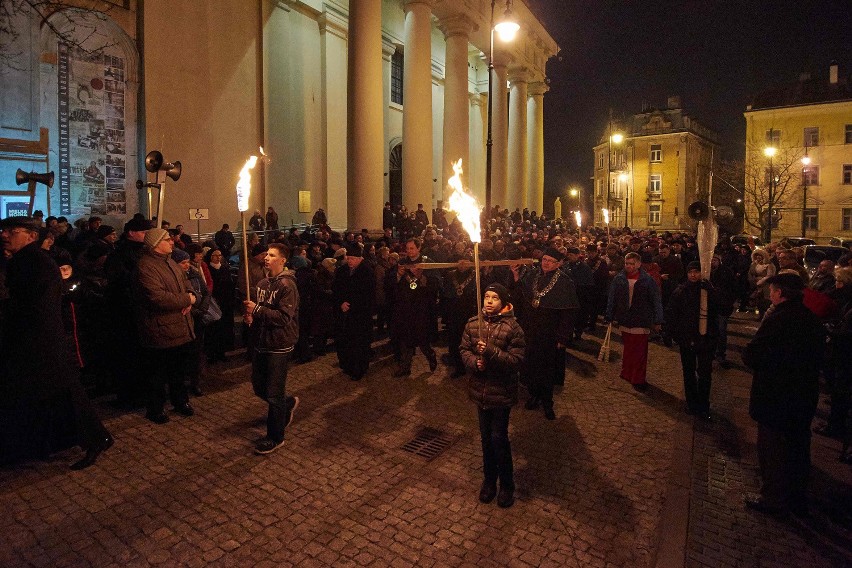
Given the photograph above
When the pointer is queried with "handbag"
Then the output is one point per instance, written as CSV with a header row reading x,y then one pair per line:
x,y
211,312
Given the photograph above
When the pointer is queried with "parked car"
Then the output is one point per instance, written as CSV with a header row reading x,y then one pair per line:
x,y
744,240
829,252
798,241
841,242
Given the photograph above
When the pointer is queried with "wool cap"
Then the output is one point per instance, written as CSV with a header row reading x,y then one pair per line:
x,y
694,265
104,231
354,249
154,236
501,291
553,253
179,255
137,224
298,261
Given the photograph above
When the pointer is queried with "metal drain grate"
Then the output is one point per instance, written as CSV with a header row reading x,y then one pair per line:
x,y
429,443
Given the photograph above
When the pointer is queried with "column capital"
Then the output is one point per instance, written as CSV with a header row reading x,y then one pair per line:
x,y
458,25
388,48
478,99
407,4
519,75
537,88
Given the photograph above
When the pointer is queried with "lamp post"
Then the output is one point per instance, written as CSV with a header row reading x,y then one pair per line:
x,y
506,28
770,152
805,163
612,138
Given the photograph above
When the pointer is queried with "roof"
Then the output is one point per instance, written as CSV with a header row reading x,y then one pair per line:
x,y
805,91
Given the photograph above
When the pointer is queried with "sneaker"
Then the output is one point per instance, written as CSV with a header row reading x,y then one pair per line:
x,y
267,446
184,409
292,411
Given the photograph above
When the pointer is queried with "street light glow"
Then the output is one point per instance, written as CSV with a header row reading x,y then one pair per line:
x,y
622,176
617,138
507,29
770,151
806,160
574,192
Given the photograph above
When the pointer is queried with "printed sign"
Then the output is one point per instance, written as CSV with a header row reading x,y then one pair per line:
x,y
199,214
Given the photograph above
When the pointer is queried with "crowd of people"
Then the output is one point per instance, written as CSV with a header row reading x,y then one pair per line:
x,y
173,302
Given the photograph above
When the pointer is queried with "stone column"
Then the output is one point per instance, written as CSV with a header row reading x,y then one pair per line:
x,y
535,145
499,137
334,200
476,168
518,182
365,120
456,103
417,105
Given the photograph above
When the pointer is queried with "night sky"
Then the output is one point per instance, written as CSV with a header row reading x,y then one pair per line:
x,y
715,54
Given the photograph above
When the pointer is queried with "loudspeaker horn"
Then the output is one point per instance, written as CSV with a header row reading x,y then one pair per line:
x,y
698,211
154,161
724,214
23,177
173,170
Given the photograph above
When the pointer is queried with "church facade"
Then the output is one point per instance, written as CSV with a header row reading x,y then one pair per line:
x,y
355,103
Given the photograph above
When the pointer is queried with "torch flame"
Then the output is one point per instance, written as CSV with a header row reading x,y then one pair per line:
x,y
464,205
579,218
244,184
606,215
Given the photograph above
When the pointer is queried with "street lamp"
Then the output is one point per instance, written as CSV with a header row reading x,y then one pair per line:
x,y
806,161
507,28
612,138
770,152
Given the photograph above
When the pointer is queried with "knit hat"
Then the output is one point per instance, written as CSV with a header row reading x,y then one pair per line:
x,y
259,249
154,236
179,255
298,261
694,265
137,224
20,222
355,249
104,231
501,291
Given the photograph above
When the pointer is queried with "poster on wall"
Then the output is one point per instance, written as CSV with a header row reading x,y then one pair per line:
x,y
91,133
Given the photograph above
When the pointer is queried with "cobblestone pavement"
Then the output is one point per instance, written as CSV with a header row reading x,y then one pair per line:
x,y
724,466
594,487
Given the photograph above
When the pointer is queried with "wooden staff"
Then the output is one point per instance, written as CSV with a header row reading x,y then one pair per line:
x,y
477,263
603,355
245,255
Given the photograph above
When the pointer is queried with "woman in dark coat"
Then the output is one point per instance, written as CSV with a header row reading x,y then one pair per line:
x,y
493,357
220,334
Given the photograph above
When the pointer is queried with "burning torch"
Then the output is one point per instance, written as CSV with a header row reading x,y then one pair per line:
x,y
243,193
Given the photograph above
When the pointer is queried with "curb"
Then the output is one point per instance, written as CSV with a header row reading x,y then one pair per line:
x,y
672,531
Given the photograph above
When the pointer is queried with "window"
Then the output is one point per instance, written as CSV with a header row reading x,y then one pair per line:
x,y
397,62
656,185
656,152
600,187
654,210
773,137
810,175
600,161
846,221
811,137
848,136
812,219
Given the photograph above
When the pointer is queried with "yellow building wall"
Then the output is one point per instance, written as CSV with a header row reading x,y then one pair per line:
x,y
830,196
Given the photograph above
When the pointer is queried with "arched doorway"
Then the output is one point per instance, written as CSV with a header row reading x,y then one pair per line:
x,y
395,176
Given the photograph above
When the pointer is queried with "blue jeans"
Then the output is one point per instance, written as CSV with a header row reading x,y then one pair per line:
x,y
722,344
269,380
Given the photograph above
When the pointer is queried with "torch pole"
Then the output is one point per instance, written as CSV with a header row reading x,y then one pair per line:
x,y
478,287
150,204
245,255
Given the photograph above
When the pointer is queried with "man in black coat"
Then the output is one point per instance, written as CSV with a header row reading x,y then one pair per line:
x,y
725,283
224,240
354,290
37,388
785,356
696,350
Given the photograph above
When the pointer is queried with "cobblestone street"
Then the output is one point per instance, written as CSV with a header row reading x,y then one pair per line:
x,y
604,485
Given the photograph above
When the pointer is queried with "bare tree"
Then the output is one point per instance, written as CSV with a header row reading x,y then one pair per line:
x,y
786,172
14,12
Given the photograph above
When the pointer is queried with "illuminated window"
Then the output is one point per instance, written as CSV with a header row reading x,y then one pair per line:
x,y
600,161
656,152
846,221
810,175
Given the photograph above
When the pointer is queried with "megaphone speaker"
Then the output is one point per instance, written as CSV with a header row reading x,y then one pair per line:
x,y
698,211
154,161
174,171
22,177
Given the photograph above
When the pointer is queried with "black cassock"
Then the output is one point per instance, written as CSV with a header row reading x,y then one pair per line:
x,y
354,327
